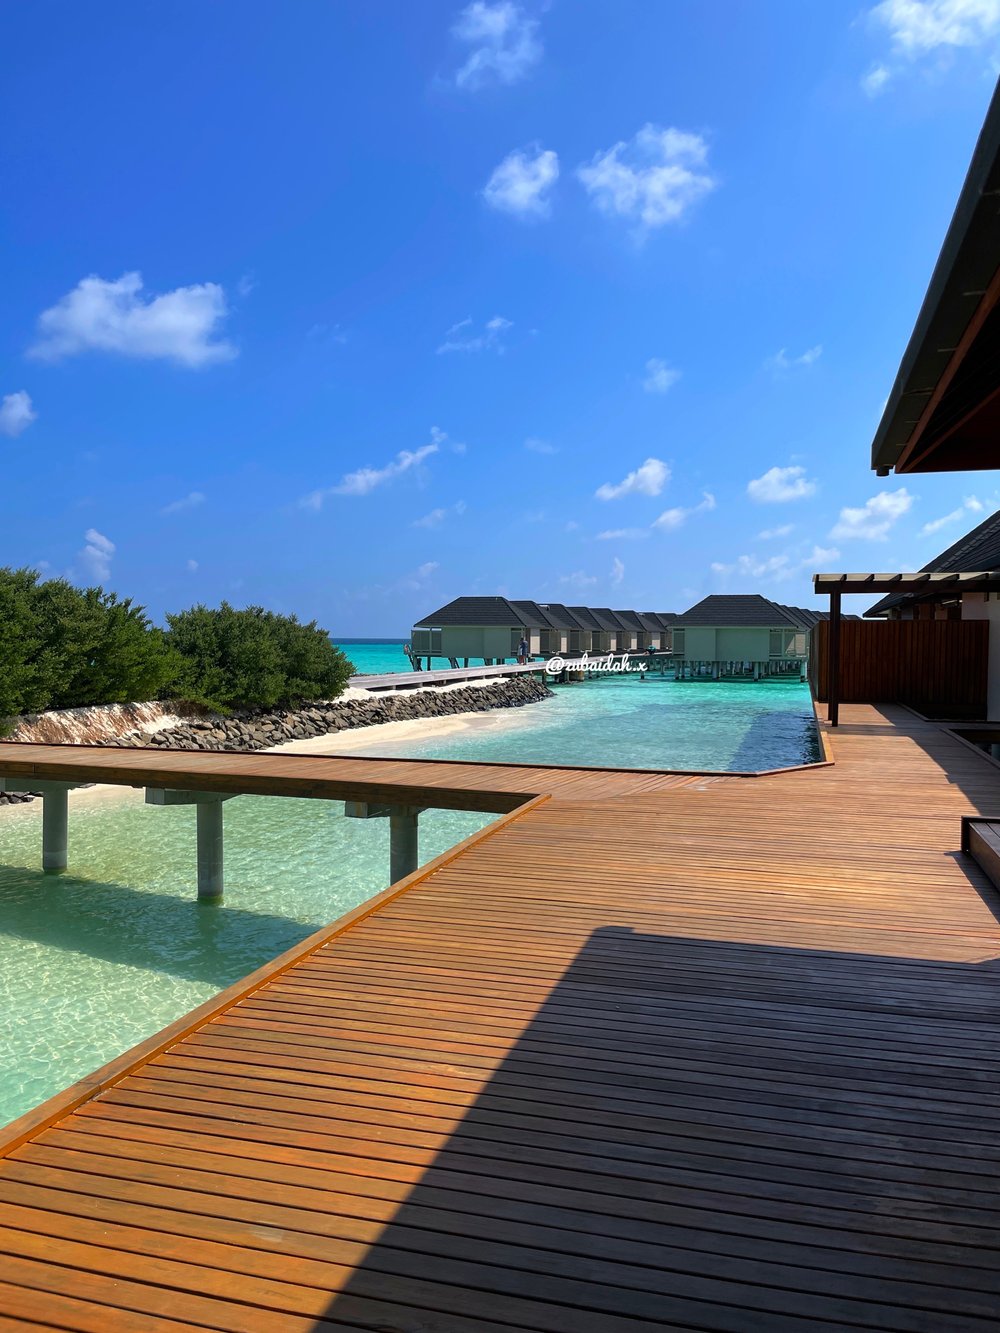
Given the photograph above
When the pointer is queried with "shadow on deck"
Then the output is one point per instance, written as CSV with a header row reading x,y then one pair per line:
x,y
708,1135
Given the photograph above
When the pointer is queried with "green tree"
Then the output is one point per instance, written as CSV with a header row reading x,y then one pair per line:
x,y
25,685
253,658
124,657
66,647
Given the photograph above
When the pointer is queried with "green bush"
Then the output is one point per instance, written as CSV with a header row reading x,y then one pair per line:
x,y
66,647
253,658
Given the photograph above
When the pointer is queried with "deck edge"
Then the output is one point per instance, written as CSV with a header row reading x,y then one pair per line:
x,y
62,1104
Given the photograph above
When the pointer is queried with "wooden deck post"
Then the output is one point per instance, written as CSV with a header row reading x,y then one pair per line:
x,y
833,662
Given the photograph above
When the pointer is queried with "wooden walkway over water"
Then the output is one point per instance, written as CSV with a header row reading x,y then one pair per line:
x,y
717,1055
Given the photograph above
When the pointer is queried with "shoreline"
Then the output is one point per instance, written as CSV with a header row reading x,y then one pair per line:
x,y
356,738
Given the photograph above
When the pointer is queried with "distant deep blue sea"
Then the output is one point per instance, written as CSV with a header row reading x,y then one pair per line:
x,y
373,656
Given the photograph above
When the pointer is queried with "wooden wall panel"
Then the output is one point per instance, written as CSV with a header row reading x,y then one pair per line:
x,y
938,666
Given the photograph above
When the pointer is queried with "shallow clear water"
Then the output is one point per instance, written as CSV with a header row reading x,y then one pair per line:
x,y
91,962
626,722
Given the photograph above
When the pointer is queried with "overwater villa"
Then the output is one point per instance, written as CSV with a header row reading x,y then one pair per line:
x,y
721,637
742,635
490,628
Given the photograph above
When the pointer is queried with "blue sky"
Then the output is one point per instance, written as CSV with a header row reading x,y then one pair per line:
x,y
351,308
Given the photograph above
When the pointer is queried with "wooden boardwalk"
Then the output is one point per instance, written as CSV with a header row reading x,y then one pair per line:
x,y
441,783
719,1055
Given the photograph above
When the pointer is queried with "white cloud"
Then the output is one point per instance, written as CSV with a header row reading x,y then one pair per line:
x,y
821,555
16,413
622,534
778,568
461,337
437,516
366,479
539,446
659,376
617,571
440,438
678,516
191,566
872,520
504,41
778,485
781,361
246,284
773,568
520,185
191,501
104,316
96,555
649,479
432,520
416,580
578,579
922,29
769,534
970,505
917,27
875,80
653,179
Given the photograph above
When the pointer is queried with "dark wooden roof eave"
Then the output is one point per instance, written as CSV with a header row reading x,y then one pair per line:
x,y
964,291
922,582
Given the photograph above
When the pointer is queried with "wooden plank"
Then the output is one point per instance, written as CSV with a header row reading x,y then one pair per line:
x,y
655,1051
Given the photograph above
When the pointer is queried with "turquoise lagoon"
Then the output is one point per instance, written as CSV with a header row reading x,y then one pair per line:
x,y
93,961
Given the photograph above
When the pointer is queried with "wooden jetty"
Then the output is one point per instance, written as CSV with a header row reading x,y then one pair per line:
x,y
650,1052
414,680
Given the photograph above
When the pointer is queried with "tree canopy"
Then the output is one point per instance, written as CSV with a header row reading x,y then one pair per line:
x,y
253,658
68,647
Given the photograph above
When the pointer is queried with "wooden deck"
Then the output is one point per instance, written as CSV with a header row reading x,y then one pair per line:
x,y
412,680
715,1056
441,783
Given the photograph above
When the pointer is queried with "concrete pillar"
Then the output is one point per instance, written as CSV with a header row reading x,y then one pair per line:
x,y
209,834
210,843
403,854
55,830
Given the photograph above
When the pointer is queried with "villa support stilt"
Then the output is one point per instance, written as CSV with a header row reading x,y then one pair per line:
x,y
210,840
404,855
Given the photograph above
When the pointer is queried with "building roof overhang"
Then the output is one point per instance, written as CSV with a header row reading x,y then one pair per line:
x,y
943,414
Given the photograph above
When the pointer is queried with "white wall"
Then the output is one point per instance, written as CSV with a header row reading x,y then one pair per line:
x,y
986,606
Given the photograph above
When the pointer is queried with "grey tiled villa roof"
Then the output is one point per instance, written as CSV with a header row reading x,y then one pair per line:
x,y
474,611
745,610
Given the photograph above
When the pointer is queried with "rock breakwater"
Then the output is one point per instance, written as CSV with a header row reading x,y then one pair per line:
x,y
261,731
